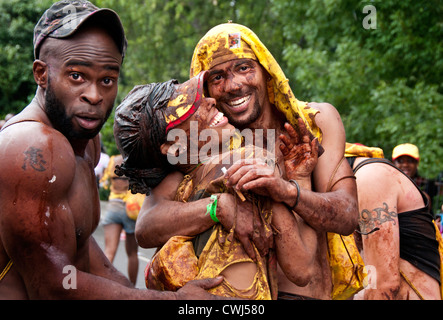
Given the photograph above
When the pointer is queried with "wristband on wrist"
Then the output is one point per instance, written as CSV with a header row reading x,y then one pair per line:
x,y
212,208
294,182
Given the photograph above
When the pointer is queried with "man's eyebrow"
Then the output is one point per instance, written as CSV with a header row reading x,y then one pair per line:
x,y
78,63
112,67
89,64
238,63
243,61
216,71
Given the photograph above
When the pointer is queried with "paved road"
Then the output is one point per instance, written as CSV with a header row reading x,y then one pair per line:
x,y
121,260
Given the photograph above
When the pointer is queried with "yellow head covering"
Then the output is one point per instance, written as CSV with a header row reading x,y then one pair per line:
x,y
233,41
359,150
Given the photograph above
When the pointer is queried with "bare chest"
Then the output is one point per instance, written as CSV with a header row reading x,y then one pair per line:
x,y
320,286
84,201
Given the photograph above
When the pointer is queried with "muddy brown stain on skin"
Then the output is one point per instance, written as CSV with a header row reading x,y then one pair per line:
x,y
250,77
44,209
16,192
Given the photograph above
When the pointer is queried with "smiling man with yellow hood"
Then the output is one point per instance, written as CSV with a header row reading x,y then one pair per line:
x,y
253,92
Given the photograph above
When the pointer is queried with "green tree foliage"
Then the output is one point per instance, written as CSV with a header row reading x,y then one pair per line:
x,y
17,20
386,82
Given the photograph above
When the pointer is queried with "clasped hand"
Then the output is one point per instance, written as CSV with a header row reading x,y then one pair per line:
x,y
300,156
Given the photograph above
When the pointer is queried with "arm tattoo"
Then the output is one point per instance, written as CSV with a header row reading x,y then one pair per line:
x,y
370,220
34,158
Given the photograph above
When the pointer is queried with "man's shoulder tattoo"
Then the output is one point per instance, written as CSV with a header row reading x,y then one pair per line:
x,y
34,159
370,220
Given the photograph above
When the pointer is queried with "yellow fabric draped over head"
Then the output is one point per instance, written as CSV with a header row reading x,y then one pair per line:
x,y
231,41
359,150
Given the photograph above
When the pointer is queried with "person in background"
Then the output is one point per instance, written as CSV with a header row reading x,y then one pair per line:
x,y
116,219
406,157
398,234
438,221
102,163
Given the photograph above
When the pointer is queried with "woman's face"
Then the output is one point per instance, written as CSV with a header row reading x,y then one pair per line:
x,y
207,127
208,117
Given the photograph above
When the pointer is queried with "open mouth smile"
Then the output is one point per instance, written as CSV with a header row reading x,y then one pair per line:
x,y
218,120
239,104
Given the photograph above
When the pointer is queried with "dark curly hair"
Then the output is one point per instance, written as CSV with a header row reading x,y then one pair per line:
x,y
139,131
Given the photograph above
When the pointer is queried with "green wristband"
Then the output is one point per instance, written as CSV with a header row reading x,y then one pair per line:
x,y
212,208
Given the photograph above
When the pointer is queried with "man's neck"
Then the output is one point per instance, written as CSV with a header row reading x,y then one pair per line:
x,y
271,118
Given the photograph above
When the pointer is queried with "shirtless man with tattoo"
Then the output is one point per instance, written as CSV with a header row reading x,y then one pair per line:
x,y
48,190
399,238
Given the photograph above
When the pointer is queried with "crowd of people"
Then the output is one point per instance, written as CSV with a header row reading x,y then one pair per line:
x,y
231,217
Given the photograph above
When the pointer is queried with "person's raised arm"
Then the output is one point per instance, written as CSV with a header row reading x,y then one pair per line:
x,y
333,211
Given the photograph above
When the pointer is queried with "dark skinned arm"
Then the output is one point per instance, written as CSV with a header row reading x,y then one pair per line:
x,y
334,211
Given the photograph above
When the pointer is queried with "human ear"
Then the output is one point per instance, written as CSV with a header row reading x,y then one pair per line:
x,y
40,71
